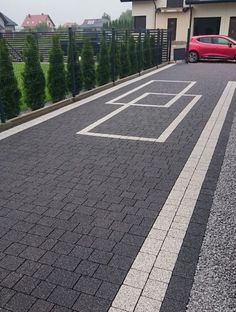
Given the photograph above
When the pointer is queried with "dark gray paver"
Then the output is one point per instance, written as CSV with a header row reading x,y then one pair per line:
x,y
82,206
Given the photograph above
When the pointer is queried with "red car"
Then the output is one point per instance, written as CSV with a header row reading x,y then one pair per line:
x,y
211,47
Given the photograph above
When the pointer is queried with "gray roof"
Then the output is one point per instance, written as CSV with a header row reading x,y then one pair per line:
x,y
7,20
93,23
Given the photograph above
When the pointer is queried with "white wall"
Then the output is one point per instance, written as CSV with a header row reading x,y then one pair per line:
x,y
223,10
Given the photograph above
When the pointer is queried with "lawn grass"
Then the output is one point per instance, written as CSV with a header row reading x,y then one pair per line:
x,y
18,70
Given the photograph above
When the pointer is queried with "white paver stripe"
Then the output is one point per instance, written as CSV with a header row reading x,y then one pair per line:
x,y
166,259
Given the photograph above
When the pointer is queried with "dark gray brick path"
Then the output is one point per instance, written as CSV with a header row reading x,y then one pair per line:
x,y
75,209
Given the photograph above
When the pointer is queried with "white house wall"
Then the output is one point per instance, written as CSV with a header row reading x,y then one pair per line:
x,y
223,10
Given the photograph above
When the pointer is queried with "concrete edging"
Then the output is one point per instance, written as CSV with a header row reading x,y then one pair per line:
x,y
52,107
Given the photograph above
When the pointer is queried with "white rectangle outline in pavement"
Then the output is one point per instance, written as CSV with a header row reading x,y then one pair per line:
x,y
174,218
39,120
166,133
114,101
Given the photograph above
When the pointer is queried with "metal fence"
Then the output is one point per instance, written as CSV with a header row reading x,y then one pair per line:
x,y
160,51
16,41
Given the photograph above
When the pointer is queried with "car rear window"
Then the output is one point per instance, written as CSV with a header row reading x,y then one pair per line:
x,y
205,39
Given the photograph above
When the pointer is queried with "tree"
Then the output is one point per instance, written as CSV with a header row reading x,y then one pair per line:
x,y
146,52
124,61
132,55
42,27
33,77
153,50
74,72
9,91
140,52
56,72
125,21
88,66
115,53
103,69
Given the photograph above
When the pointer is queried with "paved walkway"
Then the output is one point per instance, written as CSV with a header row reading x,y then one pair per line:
x,y
105,206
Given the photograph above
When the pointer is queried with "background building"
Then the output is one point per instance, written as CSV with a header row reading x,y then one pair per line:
x,y
6,24
32,21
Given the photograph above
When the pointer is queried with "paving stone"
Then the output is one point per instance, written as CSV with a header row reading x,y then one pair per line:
x,y
63,248
11,262
5,295
3,273
107,290
15,249
67,262
87,268
63,278
81,252
88,285
32,240
127,298
64,297
110,274
103,244
28,267
43,290
101,257
70,237
10,280
87,303
48,244
43,272
32,253
20,303
26,284
49,258
57,308
41,306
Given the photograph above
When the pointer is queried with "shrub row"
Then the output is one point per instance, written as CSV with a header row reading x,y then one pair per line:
x,y
81,73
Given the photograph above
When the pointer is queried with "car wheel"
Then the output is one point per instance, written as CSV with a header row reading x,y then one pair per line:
x,y
193,57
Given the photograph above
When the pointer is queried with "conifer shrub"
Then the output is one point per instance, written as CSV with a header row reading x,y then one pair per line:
x,y
153,51
33,77
9,91
124,61
115,53
88,65
103,69
132,55
140,53
56,72
74,75
146,52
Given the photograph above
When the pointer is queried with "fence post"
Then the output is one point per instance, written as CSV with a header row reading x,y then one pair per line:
x,y
72,46
161,47
113,47
139,51
2,113
169,45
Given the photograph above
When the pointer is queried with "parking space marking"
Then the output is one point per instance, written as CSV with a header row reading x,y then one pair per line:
x,y
174,218
166,133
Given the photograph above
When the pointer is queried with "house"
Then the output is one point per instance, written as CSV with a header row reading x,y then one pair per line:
x,y
6,24
32,21
205,16
93,24
72,25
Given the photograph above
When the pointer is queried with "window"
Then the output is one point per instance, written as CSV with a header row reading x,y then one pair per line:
x,y
139,22
174,3
172,25
221,41
205,40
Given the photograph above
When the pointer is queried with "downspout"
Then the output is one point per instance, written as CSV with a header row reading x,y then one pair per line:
x,y
155,17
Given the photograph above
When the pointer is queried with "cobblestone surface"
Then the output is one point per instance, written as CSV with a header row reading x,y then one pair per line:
x,y
75,210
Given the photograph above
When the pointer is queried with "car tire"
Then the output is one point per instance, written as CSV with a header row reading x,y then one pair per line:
x,y
193,57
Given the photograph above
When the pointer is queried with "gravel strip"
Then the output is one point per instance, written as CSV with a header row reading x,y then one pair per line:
x,y
214,285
